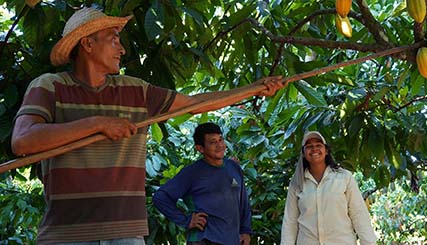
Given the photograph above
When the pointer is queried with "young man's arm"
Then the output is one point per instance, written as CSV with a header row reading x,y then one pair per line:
x,y
165,198
166,204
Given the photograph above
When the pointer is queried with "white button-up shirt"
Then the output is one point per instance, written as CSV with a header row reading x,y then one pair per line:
x,y
329,212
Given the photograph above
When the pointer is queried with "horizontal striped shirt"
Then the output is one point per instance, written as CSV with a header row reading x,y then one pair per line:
x,y
96,192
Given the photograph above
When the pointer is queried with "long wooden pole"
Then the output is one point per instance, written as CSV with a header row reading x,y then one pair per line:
x,y
27,160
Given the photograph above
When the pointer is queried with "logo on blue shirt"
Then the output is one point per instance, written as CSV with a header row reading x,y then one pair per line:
x,y
234,183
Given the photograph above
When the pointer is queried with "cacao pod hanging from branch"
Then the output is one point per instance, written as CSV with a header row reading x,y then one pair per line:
x,y
422,61
416,9
343,7
343,25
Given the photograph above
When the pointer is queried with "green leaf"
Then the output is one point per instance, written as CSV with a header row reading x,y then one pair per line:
x,y
130,6
204,118
10,96
249,50
417,85
179,120
310,94
382,177
195,14
149,167
36,27
251,172
241,14
381,93
311,120
355,126
294,125
154,19
403,77
393,156
156,132
376,142
273,108
5,126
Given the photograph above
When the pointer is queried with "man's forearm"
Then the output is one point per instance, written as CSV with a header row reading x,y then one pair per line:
x,y
32,135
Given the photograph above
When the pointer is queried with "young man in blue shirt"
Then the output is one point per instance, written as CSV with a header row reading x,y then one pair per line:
x,y
214,191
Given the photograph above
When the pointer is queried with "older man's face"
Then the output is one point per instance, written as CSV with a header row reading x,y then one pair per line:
x,y
106,50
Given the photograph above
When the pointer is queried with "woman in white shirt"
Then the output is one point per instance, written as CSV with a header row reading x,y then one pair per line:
x,y
324,204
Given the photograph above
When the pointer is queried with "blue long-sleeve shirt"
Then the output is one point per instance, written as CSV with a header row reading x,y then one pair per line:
x,y
218,191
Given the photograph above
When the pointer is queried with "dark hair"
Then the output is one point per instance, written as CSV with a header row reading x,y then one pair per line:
x,y
202,130
74,51
329,160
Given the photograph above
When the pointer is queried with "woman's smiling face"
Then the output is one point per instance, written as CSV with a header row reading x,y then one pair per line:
x,y
315,151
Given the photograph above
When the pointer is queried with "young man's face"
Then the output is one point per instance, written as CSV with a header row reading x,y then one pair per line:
x,y
107,50
214,148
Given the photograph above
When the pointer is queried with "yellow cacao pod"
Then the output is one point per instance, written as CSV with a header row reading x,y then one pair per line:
x,y
343,25
343,7
416,9
422,61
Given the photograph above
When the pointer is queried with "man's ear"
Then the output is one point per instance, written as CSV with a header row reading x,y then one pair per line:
x,y
200,148
86,44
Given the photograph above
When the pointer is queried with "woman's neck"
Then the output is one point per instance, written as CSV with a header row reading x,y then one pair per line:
x,y
317,171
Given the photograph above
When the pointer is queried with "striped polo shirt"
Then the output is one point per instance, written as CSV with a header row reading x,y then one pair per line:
x,y
96,192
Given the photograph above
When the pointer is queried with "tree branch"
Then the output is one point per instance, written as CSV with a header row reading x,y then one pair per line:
x,y
316,13
387,103
223,33
330,44
277,59
9,33
418,31
366,18
373,26
310,17
411,102
367,193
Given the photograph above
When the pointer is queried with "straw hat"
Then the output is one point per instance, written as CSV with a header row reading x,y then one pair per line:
x,y
81,24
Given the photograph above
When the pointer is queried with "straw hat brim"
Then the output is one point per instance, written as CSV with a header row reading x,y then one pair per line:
x,y
60,54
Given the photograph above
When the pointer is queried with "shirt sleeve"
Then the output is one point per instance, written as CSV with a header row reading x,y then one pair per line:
x,y
290,218
359,214
39,99
159,100
166,196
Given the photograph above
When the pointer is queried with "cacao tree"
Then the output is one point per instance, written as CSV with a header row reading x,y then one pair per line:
x,y
373,113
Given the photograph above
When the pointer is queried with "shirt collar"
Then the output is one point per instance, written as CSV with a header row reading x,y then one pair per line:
x,y
308,175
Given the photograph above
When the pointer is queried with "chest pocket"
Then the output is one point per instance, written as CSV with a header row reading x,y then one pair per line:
x,y
331,191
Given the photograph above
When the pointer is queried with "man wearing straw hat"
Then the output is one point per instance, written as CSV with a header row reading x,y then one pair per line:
x,y
97,192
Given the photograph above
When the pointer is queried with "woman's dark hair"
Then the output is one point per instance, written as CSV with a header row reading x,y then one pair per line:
x,y
202,130
329,160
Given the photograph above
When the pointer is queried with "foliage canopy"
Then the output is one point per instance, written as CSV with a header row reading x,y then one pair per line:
x,y
372,113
